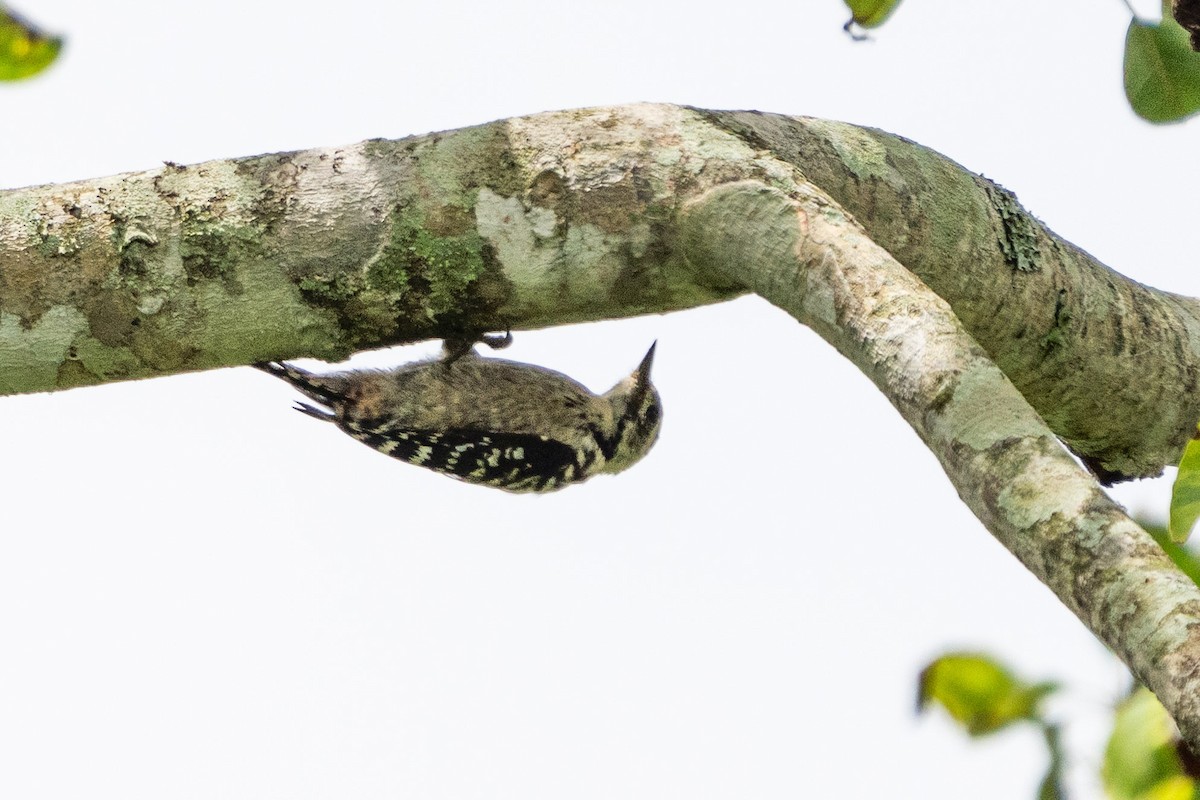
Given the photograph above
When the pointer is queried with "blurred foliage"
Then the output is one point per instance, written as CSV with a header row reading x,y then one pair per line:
x,y
1142,760
979,693
24,50
1051,787
1185,493
984,697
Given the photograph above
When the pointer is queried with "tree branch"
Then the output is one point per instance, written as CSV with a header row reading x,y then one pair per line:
x,y
802,252
1111,365
994,336
325,252
557,218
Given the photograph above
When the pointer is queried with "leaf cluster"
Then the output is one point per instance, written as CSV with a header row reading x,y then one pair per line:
x,y
1144,759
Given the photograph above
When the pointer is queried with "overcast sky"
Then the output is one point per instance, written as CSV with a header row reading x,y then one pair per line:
x,y
204,594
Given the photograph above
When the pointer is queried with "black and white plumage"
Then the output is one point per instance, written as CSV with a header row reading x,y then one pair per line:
x,y
514,426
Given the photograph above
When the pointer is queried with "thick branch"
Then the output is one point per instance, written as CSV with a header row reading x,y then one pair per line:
x,y
557,218
324,252
804,254
580,215
1111,365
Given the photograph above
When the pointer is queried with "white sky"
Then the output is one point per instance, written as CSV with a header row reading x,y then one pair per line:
x,y
204,594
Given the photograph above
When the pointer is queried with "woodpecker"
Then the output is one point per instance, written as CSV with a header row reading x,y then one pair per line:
x,y
489,421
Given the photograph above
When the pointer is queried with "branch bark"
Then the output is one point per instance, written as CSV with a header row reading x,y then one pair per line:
x,y
811,259
991,335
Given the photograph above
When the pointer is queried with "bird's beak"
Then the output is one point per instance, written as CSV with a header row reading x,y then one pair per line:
x,y
642,373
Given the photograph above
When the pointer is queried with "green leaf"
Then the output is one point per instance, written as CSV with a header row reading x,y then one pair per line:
x,y
1162,74
24,50
1141,761
871,13
980,693
1185,493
